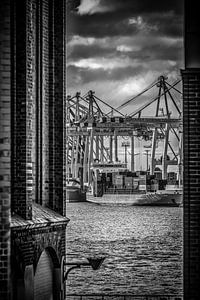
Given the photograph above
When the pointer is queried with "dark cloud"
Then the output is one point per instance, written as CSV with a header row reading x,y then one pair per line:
x,y
89,26
143,6
145,49
150,32
72,5
168,24
147,52
115,23
101,26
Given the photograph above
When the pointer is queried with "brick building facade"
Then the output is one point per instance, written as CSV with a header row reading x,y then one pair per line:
x,y
191,154
5,147
32,147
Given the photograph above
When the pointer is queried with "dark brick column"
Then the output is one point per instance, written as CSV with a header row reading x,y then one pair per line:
x,y
51,106
23,104
5,169
58,124
191,182
191,151
45,100
32,140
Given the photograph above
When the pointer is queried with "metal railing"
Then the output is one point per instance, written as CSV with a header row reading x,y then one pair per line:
x,y
122,297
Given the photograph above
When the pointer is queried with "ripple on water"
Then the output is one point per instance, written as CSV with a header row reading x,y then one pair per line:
x,y
142,245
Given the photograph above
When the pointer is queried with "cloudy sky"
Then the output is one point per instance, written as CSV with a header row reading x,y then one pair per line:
x,y
118,47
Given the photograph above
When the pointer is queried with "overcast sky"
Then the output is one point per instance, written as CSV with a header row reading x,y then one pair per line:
x,y
118,47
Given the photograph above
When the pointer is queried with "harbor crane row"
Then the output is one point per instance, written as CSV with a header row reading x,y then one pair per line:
x,y
94,127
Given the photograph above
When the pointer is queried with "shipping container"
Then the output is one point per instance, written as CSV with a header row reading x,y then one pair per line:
x,y
119,186
171,176
148,187
142,187
128,181
119,180
171,181
135,183
162,184
154,187
158,175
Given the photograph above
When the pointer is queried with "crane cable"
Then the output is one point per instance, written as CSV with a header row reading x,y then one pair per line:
x,y
135,97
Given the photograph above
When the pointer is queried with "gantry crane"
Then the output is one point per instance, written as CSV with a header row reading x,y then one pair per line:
x,y
90,120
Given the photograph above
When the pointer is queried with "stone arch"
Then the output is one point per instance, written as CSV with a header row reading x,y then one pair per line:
x,y
47,279
54,256
39,248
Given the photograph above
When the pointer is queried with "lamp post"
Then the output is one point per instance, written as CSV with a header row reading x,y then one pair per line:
x,y
147,154
95,263
125,144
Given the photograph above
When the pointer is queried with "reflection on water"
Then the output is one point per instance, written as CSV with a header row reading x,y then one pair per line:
x,y
142,245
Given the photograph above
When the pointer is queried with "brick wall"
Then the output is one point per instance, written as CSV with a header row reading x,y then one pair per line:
x,y
59,98
191,182
27,245
51,106
5,170
32,84
45,100
23,97
39,105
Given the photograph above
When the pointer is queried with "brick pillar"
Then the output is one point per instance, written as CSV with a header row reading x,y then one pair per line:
x,y
59,105
191,151
191,182
50,101
42,102
5,155
23,108
45,100
51,106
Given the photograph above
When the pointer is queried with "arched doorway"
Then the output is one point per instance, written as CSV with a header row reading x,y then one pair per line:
x,y
43,282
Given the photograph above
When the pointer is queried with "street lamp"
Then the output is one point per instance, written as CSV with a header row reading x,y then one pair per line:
x,y
95,263
125,144
147,154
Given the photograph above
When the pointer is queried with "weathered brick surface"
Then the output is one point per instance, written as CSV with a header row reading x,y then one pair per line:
x,y
29,238
39,106
27,245
52,105
59,107
191,182
32,112
5,155
45,100
24,109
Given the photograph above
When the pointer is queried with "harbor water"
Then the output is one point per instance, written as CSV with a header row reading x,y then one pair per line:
x,y
142,246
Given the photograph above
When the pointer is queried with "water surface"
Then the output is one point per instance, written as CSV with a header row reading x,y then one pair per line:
x,y
142,245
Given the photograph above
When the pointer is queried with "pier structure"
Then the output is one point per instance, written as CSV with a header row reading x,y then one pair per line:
x,y
94,127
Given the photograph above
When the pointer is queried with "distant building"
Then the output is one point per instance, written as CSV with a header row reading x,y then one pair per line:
x,y
32,147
